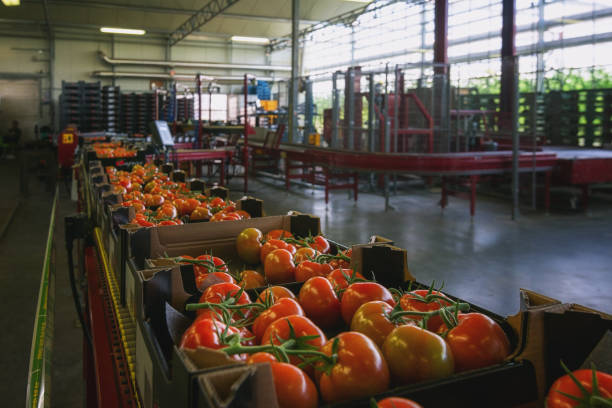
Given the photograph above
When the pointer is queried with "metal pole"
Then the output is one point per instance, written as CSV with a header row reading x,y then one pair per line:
x,y
293,89
349,103
440,99
371,102
515,146
245,147
387,145
335,110
199,86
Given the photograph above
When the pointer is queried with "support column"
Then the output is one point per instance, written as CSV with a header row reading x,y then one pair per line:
x,y
508,54
293,85
440,81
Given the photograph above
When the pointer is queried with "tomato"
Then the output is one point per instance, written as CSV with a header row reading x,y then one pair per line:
x,y
280,330
250,279
359,293
221,291
294,389
372,320
273,244
304,254
166,212
248,245
360,370
217,202
320,244
275,293
341,263
279,267
204,280
261,357
477,341
167,223
200,213
247,336
278,234
308,269
207,333
154,200
413,301
281,308
143,222
243,214
213,264
566,385
232,216
338,278
179,203
396,402
320,302
190,205
415,354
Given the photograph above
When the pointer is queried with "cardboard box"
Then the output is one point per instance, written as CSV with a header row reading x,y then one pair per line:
x,y
165,292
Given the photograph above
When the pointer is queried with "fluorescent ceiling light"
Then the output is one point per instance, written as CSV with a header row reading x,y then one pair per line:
x,y
9,3
360,1
253,40
114,30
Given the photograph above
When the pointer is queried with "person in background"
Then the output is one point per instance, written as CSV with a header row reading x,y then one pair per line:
x,y
12,139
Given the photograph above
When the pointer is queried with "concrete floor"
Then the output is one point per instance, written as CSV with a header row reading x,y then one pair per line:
x,y
484,260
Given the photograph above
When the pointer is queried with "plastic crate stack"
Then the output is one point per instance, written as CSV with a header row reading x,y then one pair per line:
x,y
184,109
607,118
128,111
81,104
562,117
111,98
145,112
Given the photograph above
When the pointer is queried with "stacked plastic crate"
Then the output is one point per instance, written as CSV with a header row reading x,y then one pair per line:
x,y
111,97
81,104
128,114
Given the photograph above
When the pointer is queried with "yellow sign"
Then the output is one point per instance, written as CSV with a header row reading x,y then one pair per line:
x,y
67,138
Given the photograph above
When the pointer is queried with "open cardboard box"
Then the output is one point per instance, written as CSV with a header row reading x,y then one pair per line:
x,y
162,320
552,331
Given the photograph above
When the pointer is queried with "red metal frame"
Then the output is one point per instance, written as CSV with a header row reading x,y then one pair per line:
x,y
104,365
219,156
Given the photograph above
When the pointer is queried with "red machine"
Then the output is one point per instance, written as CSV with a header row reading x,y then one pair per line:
x,y
67,143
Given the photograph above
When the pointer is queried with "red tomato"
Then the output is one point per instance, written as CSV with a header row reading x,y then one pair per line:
x,y
281,308
217,202
477,341
279,331
413,301
167,223
359,293
320,244
566,385
273,244
214,264
166,212
294,389
320,302
221,291
243,214
396,402
338,278
360,370
200,213
278,234
274,293
309,269
416,354
261,357
279,267
207,333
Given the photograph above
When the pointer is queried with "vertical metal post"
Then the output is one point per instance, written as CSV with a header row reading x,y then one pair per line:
x,y
335,110
387,146
508,54
349,103
515,145
245,147
293,88
308,108
199,123
371,102
396,98
440,89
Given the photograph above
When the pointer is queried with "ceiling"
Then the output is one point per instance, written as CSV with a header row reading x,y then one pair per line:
x,y
261,18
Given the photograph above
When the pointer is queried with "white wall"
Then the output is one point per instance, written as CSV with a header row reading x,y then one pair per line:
x,y
76,60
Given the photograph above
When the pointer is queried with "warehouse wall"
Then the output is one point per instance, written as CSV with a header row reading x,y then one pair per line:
x,y
76,60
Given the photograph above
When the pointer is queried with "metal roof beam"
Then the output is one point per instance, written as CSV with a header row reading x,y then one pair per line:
x,y
164,10
210,10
